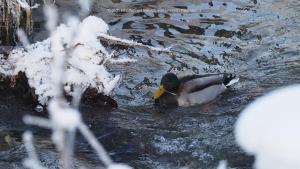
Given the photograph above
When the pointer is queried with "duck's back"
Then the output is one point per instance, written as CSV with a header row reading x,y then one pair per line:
x,y
187,78
200,89
193,83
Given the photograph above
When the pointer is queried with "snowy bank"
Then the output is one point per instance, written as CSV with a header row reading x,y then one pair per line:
x,y
269,129
86,65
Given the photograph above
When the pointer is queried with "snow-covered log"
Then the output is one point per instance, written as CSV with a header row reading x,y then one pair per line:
x,y
85,65
86,60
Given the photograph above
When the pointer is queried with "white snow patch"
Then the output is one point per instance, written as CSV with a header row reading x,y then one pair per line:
x,y
118,166
23,4
269,129
122,60
222,165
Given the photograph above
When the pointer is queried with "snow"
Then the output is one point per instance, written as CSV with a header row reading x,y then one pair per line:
x,y
269,129
118,166
85,65
222,165
23,4
35,63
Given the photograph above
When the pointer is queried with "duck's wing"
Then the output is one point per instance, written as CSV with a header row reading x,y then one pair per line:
x,y
195,76
201,97
195,83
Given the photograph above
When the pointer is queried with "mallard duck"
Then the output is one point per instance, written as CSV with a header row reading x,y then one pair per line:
x,y
191,90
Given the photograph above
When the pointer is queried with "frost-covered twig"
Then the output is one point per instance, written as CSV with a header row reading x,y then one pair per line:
x,y
32,161
124,42
23,38
77,95
64,119
85,6
47,3
37,121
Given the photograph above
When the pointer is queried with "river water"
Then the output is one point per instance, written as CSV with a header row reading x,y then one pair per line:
x,y
256,39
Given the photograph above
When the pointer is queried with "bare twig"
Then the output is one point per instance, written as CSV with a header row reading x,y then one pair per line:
x,y
95,144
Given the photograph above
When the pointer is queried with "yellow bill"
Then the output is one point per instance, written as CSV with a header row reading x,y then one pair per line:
x,y
160,91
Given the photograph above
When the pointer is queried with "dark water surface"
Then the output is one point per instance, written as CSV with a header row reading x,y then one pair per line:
x,y
256,39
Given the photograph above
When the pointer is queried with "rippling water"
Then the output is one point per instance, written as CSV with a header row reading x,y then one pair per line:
x,y
256,39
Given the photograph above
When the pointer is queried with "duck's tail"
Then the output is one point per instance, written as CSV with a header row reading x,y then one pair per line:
x,y
230,79
232,82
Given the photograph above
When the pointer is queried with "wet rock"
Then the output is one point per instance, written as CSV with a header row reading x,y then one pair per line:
x,y
92,97
19,86
224,33
5,50
8,140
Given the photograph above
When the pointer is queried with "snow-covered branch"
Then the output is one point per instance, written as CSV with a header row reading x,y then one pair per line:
x,y
130,43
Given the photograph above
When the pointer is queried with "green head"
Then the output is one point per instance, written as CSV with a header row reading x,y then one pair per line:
x,y
169,83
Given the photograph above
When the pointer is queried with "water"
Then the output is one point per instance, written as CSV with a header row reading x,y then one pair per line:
x,y
257,40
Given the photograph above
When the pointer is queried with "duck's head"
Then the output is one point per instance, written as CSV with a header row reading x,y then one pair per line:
x,y
169,84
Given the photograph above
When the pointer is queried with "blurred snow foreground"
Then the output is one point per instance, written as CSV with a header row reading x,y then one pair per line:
x,y
75,59
86,63
269,129
70,61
